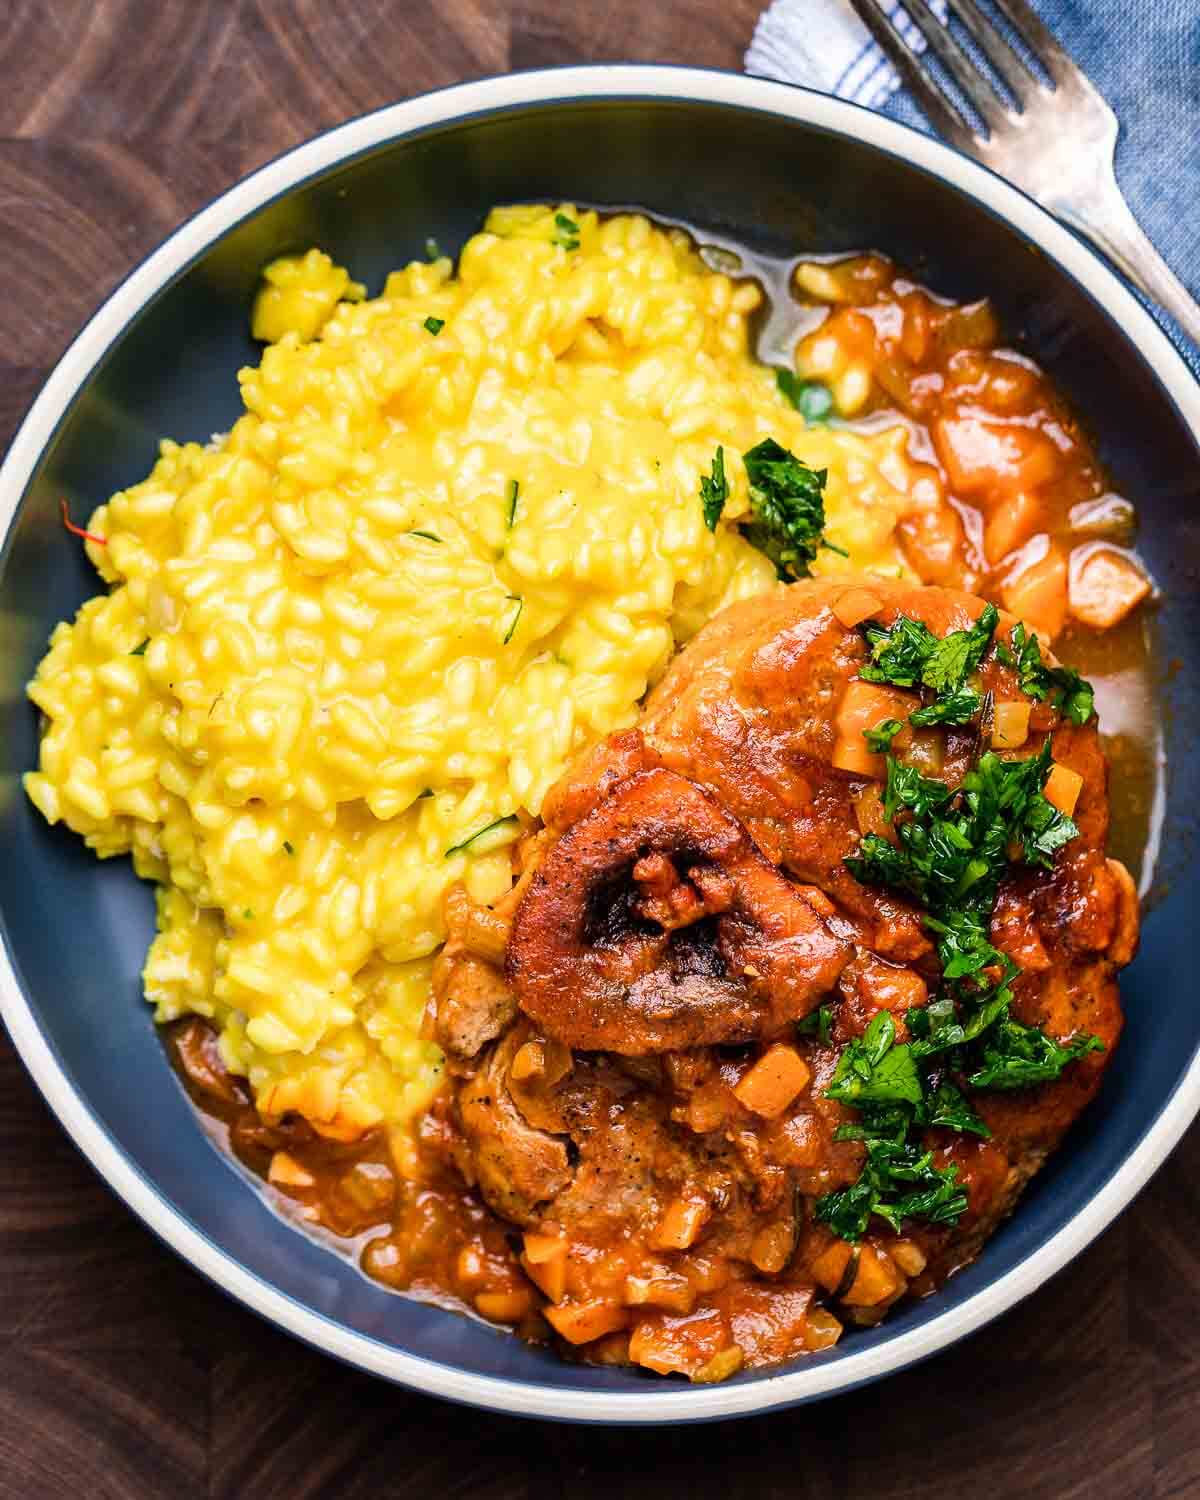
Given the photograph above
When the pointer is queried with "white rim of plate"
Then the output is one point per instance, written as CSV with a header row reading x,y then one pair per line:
x,y
602,81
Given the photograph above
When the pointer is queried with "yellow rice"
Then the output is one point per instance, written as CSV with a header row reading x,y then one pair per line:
x,y
290,703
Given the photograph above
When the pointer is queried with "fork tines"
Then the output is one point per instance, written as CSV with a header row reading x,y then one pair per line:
x,y
977,88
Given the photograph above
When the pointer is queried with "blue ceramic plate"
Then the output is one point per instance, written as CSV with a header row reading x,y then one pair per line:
x,y
782,170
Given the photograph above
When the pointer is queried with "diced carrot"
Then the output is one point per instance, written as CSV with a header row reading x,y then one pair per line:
x,y
992,457
856,605
1105,586
852,755
864,705
504,1307
581,1322
542,1249
1010,725
1062,788
681,1224
1038,594
286,1171
545,1262
671,1344
876,1280
544,1059
798,1143
672,1292
830,1266
774,1081
1011,523
1008,387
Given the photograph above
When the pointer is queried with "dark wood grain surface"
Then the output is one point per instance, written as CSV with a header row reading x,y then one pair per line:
x,y
122,1373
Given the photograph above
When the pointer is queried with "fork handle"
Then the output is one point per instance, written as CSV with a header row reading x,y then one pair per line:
x,y
1107,220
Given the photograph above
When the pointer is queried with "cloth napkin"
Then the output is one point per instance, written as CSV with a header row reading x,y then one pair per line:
x,y
1143,56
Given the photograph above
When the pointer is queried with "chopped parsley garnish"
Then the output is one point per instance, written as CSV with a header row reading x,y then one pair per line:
x,y
909,655
898,655
897,1182
287,847
787,507
944,855
432,249
951,850
947,1107
434,325
907,787
873,1070
880,738
566,232
954,659
428,535
140,650
512,629
818,1023
714,491
811,399
885,1081
1062,687
1015,1056
956,707
511,490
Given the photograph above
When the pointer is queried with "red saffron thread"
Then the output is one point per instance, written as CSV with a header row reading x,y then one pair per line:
x,y
88,536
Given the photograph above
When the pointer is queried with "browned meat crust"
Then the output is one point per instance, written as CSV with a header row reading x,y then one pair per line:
x,y
693,898
654,924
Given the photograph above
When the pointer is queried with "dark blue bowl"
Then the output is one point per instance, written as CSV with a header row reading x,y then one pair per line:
x,y
782,170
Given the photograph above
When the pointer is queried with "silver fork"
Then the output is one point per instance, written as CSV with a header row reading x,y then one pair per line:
x,y
1058,144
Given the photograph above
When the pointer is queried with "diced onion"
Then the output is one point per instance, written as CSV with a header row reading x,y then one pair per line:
x,y
822,1330
1010,725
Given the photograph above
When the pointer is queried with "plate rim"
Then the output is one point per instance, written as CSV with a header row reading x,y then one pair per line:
x,y
564,85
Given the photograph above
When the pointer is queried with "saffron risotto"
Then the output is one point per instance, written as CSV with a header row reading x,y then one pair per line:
x,y
453,539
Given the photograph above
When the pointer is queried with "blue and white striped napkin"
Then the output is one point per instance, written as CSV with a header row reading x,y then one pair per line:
x,y
826,46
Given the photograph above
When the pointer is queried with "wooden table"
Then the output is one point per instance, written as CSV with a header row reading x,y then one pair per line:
x,y
122,1373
